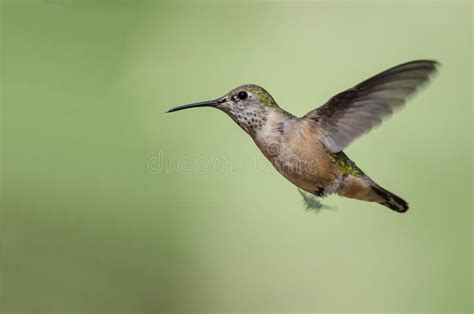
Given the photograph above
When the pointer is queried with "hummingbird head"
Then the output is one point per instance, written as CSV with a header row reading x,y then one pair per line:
x,y
248,105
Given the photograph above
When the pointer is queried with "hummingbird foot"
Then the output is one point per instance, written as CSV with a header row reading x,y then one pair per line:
x,y
311,202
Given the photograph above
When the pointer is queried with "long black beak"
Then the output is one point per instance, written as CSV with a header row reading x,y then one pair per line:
x,y
209,103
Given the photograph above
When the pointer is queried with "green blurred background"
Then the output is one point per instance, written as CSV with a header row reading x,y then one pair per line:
x,y
91,222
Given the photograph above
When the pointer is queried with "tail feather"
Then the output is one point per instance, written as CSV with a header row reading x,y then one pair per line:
x,y
390,200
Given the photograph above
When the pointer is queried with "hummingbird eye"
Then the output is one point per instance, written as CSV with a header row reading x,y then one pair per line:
x,y
242,95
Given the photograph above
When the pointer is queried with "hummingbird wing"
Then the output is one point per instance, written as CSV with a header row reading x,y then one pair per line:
x,y
357,110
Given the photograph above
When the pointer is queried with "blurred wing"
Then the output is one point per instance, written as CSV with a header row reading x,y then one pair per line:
x,y
356,111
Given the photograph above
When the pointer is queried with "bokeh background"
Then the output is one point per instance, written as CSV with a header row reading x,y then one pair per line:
x,y
108,205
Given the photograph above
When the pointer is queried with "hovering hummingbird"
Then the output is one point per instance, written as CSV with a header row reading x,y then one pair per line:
x,y
308,150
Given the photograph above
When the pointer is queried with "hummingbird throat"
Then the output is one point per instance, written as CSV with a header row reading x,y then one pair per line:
x,y
251,119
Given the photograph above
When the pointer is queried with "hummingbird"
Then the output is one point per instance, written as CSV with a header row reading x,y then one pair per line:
x,y
308,150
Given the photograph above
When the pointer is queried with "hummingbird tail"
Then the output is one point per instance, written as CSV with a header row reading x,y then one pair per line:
x,y
390,200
